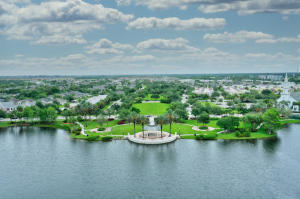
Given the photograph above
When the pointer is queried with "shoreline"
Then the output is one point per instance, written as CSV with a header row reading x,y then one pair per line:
x,y
99,136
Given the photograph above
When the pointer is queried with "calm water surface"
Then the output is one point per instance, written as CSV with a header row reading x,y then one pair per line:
x,y
41,163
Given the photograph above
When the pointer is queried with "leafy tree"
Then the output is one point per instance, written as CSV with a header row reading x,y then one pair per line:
x,y
67,114
48,114
123,114
203,118
2,114
101,119
51,114
271,119
109,112
253,119
28,113
134,109
228,123
284,110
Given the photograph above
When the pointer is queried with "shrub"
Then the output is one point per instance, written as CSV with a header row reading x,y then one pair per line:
x,y
92,138
166,101
203,127
107,138
199,137
79,118
101,129
121,122
111,119
242,134
155,96
211,136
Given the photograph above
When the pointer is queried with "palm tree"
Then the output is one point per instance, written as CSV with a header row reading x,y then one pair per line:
x,y
143,120
161,120
133,117
170,117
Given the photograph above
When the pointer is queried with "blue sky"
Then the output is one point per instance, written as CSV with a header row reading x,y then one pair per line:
x,y
98,37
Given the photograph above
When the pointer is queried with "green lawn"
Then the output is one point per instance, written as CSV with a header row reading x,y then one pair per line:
x,y
212,123
176,127
149,98
152,108
294,121
94,124
5,124
257,135
125,129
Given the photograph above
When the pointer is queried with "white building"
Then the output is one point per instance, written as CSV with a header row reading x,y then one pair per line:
x,y
287,97
96,99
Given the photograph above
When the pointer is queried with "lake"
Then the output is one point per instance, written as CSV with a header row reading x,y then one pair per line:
x,y
43,163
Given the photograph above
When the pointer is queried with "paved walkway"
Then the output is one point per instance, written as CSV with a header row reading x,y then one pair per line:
x,y
151,141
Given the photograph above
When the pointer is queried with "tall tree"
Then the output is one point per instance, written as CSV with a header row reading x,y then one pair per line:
x,y
253,119
271,119
161,120
228,123
203,118
170,115
133,117
143,120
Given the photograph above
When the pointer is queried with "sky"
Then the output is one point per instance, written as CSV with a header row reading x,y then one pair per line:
x,y
120,37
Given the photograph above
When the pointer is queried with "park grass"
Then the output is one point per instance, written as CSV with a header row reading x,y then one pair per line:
x,y
293,121
124,129
261,134
152,108
212,123
88,125
5,124
149,98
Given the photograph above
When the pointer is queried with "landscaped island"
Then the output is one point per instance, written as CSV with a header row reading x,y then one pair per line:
x,y
113,130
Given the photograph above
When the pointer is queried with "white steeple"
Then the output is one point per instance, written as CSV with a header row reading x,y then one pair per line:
x,y
286,86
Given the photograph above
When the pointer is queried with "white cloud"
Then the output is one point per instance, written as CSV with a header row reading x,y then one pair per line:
x,y
214,6
130,59
253,6
208,60
176,23
178,44
56,21
237,37
123,2
105,46
281,39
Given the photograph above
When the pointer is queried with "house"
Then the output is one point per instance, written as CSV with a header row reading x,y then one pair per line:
x,y
96,99
46,101
26,103
8,106
61,101
291,99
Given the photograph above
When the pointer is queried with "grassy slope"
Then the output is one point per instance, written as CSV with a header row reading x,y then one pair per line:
x,y
152,108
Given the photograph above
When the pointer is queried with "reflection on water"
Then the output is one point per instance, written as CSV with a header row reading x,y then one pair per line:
x,y
47,163
271,145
